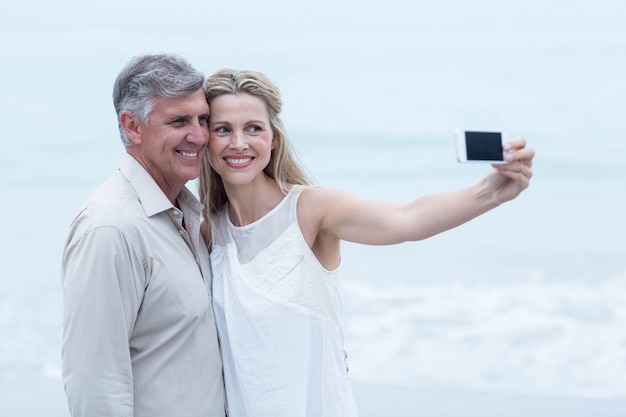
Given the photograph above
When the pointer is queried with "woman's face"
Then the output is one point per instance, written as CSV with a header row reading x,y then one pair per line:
x,y
240,137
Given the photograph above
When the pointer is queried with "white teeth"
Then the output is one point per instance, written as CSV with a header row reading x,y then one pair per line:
x,y
189,154
239,161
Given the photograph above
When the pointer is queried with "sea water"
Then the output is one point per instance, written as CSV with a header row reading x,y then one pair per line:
x,y
529,298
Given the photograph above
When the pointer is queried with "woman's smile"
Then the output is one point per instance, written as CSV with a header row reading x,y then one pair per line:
x,y
238,161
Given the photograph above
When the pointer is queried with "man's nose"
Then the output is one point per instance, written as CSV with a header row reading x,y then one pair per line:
x,y
198,133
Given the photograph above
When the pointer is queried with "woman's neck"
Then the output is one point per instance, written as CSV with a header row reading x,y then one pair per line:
x,y
248,203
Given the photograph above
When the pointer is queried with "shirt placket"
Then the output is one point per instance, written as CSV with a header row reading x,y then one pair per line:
x,y
177,217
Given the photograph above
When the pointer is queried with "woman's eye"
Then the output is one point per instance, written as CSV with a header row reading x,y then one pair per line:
x,y
254,129
221,130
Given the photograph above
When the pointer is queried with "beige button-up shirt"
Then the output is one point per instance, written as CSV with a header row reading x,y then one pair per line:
x,y
139,334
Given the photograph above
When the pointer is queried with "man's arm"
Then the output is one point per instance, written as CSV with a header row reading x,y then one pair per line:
x,y
101,299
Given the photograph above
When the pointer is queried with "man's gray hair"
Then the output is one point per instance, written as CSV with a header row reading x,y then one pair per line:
x,y
148,77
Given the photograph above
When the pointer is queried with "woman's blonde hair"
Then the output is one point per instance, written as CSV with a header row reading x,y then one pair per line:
x,y
283,166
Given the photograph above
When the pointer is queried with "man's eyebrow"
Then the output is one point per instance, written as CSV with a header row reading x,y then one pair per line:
x,y
174,117
179,116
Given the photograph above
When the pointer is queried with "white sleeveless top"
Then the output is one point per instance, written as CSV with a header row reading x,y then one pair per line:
x,y
279,319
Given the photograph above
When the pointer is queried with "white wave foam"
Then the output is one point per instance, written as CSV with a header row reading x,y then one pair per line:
x,y
549,339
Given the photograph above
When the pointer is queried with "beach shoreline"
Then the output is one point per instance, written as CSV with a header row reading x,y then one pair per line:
x,y
379,401
40,397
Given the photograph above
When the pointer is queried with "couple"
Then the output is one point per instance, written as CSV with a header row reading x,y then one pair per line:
x,y
163,311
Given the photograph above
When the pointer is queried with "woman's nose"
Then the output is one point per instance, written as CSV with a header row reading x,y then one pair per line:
x,y
238,141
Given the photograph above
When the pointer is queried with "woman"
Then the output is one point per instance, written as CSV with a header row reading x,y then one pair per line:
x,y
275,251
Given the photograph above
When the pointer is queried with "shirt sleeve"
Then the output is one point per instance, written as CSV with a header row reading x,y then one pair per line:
x,y
103,284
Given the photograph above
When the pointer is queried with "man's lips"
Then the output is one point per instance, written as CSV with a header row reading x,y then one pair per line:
x,y
188,154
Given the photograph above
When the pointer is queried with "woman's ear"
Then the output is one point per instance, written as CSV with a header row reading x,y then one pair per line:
x,y
131,125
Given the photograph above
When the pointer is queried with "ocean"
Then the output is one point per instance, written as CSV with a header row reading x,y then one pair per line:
x,y
529,299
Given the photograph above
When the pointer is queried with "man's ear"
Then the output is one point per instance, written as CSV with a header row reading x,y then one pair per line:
x,y
131,125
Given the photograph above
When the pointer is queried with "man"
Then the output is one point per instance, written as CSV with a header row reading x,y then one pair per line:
x,y
139,333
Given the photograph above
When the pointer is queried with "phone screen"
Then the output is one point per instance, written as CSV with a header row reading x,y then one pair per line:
x,y
483,146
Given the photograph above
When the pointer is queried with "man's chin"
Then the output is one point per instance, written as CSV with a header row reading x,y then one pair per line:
x,y
191,174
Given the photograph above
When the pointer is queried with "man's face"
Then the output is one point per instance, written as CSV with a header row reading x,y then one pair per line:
x,y
171,144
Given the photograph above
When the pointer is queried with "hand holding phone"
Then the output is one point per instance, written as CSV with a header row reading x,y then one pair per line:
x,y
475,146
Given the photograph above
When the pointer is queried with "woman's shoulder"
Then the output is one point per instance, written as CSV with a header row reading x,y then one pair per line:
x,y
317,201
319,193
308,193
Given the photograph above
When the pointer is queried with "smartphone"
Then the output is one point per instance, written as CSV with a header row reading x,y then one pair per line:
x,y
480,146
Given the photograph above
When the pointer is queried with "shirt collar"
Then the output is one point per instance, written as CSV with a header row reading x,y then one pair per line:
x,y
152,198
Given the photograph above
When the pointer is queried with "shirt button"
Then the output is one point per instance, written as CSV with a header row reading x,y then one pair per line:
x,y
176,213
181,231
